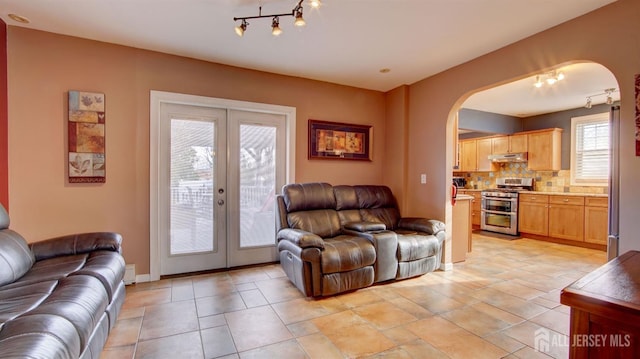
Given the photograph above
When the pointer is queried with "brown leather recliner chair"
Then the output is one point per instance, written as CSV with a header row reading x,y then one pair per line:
x,y
408,247
315,253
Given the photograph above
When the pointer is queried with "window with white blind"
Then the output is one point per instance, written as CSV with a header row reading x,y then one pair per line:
x,y
590,150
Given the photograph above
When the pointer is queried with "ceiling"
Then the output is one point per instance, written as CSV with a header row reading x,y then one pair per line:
x,y
522,99
346,42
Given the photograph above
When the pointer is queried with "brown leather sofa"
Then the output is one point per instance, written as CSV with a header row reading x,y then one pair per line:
x,y
342,238
59,298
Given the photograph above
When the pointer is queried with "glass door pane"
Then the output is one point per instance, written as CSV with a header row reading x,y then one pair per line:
x,y
192,181
257,185
192,189
257,154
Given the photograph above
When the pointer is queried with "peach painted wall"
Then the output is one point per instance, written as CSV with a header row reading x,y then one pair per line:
x,y
397,117
42,67
609,36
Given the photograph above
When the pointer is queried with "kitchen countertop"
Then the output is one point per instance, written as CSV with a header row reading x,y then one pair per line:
x,y
463,197
548,193
568,194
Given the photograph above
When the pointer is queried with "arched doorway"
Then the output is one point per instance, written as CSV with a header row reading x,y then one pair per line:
x,y
587,88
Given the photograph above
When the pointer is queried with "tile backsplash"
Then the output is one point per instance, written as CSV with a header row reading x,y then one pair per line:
x,y
544,181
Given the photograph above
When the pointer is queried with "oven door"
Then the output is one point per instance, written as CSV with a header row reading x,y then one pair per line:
x,y
501,222
500,204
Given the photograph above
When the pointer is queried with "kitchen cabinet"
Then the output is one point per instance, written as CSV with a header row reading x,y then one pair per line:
x,y
468,155
474,155
566,217
483,150
533,214
476,206
461,229
596,220
544,151
456,147
509,144
571,217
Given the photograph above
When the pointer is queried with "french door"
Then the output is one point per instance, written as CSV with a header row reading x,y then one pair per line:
x,y
219,171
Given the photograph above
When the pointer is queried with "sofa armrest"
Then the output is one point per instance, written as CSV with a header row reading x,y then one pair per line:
x,y
429,226
365,226
302,239
76,244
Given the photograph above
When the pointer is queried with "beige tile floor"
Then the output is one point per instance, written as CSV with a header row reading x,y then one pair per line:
x,y
487,307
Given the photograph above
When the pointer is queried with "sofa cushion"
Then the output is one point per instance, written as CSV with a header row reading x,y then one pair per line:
x,y
375,197
80,299
51,269
17,301
346,197
389,216
417,246
322,222
347,253
308,196
39,336
15,256
106,266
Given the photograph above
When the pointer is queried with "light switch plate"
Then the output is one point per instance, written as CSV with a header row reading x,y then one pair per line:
x,y
423,178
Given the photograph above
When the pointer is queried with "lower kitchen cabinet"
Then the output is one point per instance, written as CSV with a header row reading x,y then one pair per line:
x,y
566,217
461,231
476,206
533,214
596,220
572,218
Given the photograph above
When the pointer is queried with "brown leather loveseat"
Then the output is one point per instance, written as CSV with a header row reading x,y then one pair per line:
x,y
59,298
333,239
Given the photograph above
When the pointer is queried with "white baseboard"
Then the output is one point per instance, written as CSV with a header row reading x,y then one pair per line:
x,y
141,278
446,266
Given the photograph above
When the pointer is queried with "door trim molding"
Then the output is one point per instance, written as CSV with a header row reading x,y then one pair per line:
x,y
159,97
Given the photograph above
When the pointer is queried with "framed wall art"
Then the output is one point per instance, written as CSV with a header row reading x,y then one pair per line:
x,y
333,140
86,137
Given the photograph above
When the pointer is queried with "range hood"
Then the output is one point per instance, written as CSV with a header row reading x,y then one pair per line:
x,y
509,157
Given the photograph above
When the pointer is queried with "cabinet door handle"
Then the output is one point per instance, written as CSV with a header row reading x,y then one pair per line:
x,y
566,200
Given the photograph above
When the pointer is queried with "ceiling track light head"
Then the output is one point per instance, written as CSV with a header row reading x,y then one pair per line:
x,y
608,92
296,12
275,26
299,19
240,29
550,78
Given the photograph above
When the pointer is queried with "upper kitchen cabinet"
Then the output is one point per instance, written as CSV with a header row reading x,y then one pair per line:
x,y
474,155
544,148
484,149
509,144
468,155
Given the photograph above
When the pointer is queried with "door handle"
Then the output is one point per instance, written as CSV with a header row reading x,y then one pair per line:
x,y
220,202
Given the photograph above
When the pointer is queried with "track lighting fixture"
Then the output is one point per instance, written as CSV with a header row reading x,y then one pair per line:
x,y
275,27
275,22
550,78
240,29
609,99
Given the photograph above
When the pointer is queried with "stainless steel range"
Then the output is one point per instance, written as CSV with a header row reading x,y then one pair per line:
x,y
500,205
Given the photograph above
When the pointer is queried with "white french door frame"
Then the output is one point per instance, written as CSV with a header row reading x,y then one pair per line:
x,y
159,97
